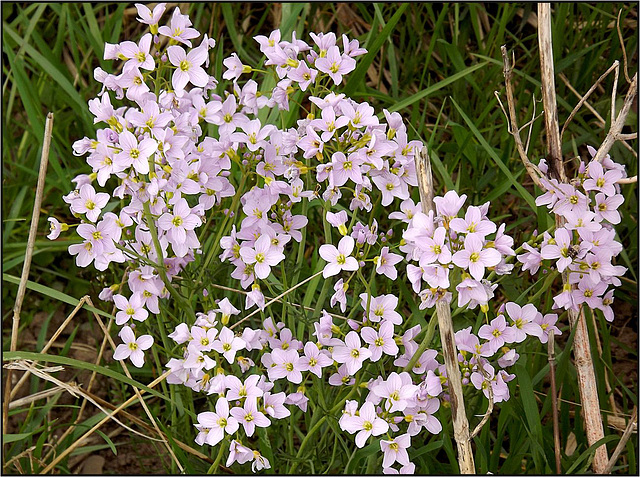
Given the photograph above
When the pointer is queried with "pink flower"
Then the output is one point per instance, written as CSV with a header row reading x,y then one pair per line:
x,y
548,325
601,181
138,55
132,348
474,257
397,390
473,222
237,389
239,453
188,66
366,424
606,207
497,333
55,228
129,309
178,28
145,15
274,405
314,360
335,64
449,205
523,319
213,425
287,365
380,341
340,295
435,248
338,258
396,450
352,354
89,202
227,344
263,256
381,308
558,248
177,223
250,417
386,262
135,154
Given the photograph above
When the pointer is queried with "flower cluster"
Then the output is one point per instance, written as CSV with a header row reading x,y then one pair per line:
x,y
585,247
442,243
184,146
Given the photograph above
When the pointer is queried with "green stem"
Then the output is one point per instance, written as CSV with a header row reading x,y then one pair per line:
x,y
216,463
306,441
431,328
162,269
221,231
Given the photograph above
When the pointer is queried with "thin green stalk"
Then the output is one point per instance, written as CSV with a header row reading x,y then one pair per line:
x,y
306,441
216,463
162,270
428,337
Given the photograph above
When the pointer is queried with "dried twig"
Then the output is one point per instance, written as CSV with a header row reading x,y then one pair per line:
x,y
615,133
26,266
623,440
71,387
532,169
487,414
583,99
80,440
447,336
551,350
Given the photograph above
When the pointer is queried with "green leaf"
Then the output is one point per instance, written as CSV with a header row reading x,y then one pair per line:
x,y
9,438
524,193
55,294
356,79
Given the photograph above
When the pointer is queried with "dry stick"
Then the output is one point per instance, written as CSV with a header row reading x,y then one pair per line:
x,y
487,414
551,351
26,266
81,439
447,336
622,137
51,341
71,387
623,440
33,397
552,128
581,349
614,133
624,49
583,99
532,169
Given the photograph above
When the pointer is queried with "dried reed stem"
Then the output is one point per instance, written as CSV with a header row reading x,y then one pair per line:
x,y
552,128
26,266
447,336
581,349
623,440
